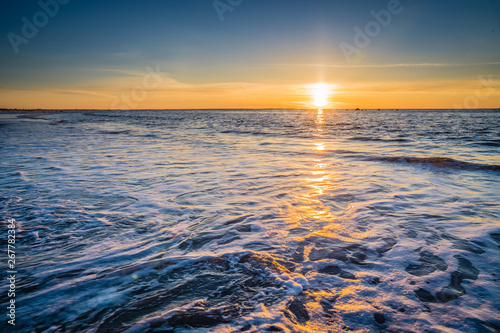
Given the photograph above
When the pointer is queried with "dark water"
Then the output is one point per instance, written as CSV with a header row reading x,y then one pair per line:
x,y
229,221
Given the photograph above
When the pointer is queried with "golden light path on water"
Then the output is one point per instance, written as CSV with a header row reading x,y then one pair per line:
x,y
308,206
309,211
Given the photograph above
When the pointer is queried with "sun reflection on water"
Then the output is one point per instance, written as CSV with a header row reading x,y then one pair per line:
x,y
320,124
320,146
308,206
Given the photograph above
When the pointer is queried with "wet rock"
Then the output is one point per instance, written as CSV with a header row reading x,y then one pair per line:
x,y
330,270
318,254
402,310
298,256
430,263
347,275
287,264
359,255
490,326
449,294
339,254
466,270
274,329
305,270
297,312
427,257
375,280
379,318
247,327
411,234
425,296
496,238
389,244
327,304
462,244
357,258
454,290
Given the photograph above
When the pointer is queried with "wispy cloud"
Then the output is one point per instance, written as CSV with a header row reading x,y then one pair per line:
x,y
408,65
419,87
80,92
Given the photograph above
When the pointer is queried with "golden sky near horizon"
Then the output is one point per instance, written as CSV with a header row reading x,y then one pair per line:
x,y
375,54
170,94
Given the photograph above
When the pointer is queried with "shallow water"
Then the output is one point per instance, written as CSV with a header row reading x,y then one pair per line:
x,y
223,221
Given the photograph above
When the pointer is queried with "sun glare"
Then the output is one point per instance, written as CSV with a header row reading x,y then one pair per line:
x,y
320,93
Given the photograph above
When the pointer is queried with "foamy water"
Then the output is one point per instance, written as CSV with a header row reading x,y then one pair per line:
x,y
229,221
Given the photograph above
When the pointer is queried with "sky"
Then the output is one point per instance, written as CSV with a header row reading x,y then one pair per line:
x,y
190,54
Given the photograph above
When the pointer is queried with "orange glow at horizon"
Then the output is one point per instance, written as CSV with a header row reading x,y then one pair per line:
x,y
174,94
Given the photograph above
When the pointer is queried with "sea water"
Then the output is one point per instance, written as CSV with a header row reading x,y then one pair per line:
x,y
253,220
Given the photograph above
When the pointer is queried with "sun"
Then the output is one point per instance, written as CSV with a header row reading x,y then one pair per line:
x,y
320,93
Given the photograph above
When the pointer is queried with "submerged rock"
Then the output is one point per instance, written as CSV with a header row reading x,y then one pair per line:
x,y
347,275
379,318
297,311
496,238
490,326
462,244
449,294
430,263
389,244
454,290
246,328
424,295
330,270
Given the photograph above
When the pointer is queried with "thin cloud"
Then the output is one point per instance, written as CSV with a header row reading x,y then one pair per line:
x,y
81,92
448,87
408,65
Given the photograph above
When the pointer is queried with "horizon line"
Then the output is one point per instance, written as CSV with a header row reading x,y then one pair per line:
x,y
235,109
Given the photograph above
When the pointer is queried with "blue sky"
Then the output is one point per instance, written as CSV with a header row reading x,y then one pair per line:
x,y
91,46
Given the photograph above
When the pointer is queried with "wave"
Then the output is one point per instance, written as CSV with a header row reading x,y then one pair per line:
x,y
116,132
219,290
489,143
437,162
365,138
250,132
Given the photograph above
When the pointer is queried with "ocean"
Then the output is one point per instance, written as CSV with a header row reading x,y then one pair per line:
x,y
252,220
